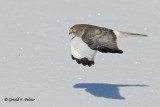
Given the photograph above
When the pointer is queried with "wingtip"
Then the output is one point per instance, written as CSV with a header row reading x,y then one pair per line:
x,y
83,61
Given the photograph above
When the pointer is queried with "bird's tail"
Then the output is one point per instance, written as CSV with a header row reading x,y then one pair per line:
x,y
121,34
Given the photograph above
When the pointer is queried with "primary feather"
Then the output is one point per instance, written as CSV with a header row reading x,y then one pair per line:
x,y
81,52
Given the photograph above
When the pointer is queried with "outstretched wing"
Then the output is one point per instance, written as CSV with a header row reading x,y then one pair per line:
x,y
81,52
103,40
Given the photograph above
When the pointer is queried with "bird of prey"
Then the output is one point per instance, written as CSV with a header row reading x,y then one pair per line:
x,y
88,39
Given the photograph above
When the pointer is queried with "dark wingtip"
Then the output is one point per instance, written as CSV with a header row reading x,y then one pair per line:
x,y
119,51
107,50
83,61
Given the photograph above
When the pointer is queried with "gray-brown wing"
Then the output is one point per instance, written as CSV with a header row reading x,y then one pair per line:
x,y
104,41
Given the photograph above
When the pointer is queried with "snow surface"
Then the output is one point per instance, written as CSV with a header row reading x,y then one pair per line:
x,y
35,56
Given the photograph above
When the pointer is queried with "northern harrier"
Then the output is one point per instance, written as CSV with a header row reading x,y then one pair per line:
x,y
88,39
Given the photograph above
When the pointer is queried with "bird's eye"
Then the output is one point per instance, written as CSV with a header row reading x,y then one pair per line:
x,y
74,30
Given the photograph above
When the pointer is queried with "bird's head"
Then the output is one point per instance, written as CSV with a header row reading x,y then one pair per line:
x,y
72,31
76,30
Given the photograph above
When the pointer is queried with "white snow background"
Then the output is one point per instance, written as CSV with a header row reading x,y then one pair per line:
x,y
35,59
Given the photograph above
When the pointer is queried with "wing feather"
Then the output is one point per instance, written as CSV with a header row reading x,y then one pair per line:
x,y
81,52
105,41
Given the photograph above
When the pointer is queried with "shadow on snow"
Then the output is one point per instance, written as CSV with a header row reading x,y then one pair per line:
x,y
105,90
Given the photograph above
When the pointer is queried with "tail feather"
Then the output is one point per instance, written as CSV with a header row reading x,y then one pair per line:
x,y
121,34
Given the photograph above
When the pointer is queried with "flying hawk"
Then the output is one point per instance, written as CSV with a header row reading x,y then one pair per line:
x,y
88,39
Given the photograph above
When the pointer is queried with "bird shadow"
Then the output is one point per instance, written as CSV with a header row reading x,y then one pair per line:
x,y
110,91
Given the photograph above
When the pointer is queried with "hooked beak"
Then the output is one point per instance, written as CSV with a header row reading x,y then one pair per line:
x,y
70,31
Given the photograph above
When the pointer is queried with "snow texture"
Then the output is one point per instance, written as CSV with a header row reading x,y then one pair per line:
x,y
35,60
